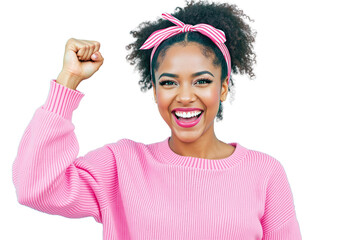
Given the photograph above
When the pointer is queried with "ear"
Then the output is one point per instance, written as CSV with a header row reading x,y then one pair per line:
x,y
224,90
154,90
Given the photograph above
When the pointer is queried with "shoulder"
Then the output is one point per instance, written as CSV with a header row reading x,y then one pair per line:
x,y
260,156
263,161
131,147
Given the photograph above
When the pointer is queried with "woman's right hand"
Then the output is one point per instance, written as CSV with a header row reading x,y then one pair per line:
x,y
81,60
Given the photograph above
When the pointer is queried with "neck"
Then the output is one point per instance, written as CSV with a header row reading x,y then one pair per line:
x,y
206,146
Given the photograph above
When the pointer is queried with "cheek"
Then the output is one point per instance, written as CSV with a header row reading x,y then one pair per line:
x,y
163,102
211,99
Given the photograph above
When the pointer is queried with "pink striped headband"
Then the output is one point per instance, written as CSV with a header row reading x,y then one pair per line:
x,y
216,35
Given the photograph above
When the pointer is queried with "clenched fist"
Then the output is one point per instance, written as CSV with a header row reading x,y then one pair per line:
x,y
81,60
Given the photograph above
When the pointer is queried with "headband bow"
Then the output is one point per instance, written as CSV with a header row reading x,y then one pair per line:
x,y
216,35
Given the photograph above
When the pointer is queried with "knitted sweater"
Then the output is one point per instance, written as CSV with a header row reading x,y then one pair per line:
x,y
147,191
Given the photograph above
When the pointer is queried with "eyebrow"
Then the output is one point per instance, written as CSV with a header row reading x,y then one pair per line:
x,y
193,75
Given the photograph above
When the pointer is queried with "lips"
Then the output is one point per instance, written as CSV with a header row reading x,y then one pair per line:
x,y
188,123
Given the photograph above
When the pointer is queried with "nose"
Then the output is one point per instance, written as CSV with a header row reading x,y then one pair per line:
x,y
185,95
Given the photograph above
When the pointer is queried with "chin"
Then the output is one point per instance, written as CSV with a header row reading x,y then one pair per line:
x,y
187,136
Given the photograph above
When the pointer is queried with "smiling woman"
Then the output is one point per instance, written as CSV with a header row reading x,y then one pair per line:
x,y
193,82
190,185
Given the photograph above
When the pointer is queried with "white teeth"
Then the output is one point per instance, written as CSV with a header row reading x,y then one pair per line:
x,y
187,114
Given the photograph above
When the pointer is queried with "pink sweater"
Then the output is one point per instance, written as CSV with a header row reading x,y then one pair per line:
x,y
146,191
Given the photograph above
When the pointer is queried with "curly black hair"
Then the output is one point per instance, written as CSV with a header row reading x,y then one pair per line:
x,y
224,16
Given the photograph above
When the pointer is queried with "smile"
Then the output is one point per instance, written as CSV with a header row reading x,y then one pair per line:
x,y
188,119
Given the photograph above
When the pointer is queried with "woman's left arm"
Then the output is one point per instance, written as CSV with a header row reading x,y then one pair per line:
x,y
279,220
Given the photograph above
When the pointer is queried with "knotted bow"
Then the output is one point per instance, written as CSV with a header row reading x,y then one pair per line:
x,y
216,35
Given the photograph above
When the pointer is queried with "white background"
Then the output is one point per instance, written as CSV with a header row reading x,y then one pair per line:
x,y
302,108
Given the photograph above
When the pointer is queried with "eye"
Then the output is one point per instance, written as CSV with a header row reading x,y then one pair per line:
x,y
204,81
167,82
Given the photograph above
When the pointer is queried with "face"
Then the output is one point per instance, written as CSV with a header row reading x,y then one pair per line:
x,y
187,81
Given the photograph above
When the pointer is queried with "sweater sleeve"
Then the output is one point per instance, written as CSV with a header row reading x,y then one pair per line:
x,y
47,174
279,220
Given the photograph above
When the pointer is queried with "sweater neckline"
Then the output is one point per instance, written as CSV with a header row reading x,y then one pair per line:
x,y
173,158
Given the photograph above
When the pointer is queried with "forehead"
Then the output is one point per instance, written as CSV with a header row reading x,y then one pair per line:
x,y
190,57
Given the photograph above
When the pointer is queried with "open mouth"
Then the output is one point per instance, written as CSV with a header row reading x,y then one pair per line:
x,y
188,119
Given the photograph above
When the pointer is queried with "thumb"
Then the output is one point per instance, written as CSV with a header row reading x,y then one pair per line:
x,y
96,56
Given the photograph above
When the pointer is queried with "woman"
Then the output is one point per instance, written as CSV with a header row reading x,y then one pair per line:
x,y
189,186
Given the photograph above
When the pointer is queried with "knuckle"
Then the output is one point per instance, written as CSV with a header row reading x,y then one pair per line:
x,y
70,40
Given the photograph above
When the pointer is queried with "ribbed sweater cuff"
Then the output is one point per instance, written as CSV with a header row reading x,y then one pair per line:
x,y
62,100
